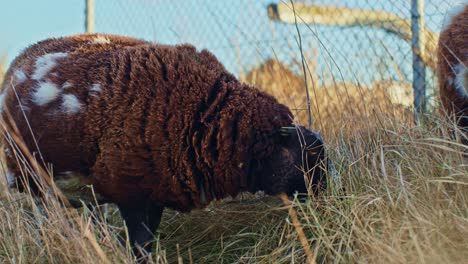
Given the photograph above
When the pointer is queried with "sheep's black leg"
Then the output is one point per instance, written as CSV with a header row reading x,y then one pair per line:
x,y
142,223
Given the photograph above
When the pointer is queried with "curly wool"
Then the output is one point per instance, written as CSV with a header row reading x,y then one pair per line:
x,y
167,123
452,66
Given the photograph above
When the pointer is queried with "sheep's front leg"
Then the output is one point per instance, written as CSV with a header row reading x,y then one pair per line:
x,y
142,223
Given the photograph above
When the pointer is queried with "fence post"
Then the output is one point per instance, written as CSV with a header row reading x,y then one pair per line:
x,y
419,69
89,13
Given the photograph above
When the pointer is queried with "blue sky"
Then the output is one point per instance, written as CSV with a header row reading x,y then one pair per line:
x,y
24,22
232,29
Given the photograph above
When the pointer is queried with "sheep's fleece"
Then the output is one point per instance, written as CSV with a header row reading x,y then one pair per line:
x,y
152,126
452,70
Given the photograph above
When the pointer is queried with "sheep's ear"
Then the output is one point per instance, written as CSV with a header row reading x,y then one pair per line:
x,y
287,131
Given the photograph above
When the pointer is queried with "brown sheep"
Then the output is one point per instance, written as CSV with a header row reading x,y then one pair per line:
x,y
452,70
152,126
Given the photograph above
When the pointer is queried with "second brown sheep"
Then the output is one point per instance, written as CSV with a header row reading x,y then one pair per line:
x,y
452,66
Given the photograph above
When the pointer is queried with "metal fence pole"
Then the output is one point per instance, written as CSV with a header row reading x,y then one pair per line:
x,y
89,13
419,69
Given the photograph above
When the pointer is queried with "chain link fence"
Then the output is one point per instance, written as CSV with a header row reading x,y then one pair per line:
x,y
353,43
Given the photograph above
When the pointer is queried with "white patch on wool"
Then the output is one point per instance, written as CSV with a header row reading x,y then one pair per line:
x,y
11,179
66,85
45,93
20,76
450,81
454,11
101,40
46,63
461,76
95,87
2,100
71,104
8,152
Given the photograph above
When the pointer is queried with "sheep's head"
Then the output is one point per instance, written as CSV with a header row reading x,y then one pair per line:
x,y
297,163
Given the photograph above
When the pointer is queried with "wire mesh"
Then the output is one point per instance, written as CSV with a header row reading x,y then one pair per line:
x,y
363,42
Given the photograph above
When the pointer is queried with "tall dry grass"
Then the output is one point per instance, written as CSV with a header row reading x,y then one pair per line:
x,y
402,197
340,101
404,200
3,67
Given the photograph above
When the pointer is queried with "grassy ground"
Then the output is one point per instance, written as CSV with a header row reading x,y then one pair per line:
x,y
402,198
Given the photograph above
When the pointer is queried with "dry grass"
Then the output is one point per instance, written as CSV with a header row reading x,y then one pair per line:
x,y
3,67
403,199
342,102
